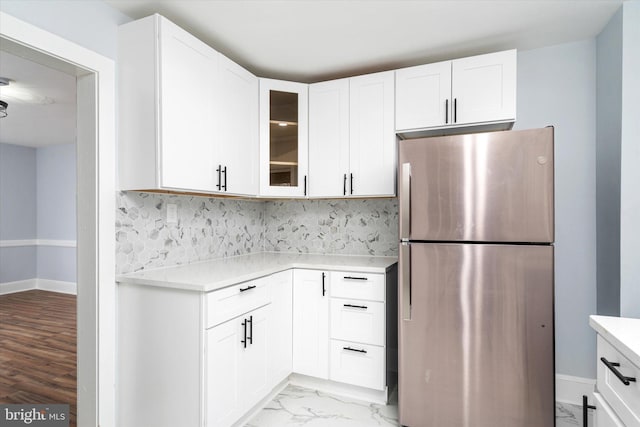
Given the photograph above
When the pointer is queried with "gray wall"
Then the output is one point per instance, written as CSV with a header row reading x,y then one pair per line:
x,y
17,211
89,23
557,86
608,130
56,210
630,169
37,201
56,183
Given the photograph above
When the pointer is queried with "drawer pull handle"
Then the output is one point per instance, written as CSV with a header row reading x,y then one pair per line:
x,y
355,278
585,411
612,367
324,289
364,307
354,349
244,341
248,288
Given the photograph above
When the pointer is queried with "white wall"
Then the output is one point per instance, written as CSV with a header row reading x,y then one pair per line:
x,y
556,86
630,168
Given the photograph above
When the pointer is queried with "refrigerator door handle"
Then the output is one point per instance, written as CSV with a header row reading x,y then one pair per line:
x,y
405,296
405,202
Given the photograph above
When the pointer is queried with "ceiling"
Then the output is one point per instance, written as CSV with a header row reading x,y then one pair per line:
x,y
312,40
42,103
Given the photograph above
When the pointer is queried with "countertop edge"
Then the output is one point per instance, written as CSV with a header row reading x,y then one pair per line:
x,y
597,323
190,286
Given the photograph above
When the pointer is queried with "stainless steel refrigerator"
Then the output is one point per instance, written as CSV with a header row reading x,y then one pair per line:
x,y
476,343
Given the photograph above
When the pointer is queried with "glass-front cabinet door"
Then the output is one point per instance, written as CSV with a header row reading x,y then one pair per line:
x,y
283,138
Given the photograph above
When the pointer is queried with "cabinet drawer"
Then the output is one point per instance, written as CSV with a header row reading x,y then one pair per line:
x,y
359,321
357,364
235,300
365,286
623,399
605,417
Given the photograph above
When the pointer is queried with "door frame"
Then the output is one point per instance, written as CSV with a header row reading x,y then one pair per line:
x,y
96,149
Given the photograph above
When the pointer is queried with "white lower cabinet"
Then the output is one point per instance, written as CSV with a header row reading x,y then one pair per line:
x,y
206,359
358,364
355,320
617,396
311,323
237,366
280,329
605,417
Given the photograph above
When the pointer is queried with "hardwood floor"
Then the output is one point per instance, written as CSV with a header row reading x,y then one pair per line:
x,y
38,349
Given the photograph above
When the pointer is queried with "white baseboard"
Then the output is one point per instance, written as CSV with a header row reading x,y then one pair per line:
x,y
57,286
571,389
17,286
43,284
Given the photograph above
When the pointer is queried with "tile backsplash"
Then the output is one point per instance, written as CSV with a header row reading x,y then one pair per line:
x,y
344,226
206,228
210,228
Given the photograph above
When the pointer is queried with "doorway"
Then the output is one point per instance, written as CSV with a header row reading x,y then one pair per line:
x,y
95,163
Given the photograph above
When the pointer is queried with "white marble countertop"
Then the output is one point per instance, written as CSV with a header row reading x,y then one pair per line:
x,y
215,274
622,332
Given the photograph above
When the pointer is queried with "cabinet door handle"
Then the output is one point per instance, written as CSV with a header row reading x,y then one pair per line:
x,y
364,307
244,326
446,111
250,330
225,178
612,367
324,289
585,411
305,185
351,182
455,110
344,185
219,184
248,288
354,349
355,278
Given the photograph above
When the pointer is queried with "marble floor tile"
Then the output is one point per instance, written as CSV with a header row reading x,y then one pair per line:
x,y
297,406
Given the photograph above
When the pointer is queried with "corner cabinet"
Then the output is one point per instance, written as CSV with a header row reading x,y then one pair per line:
x,y
475,91
180,103
351,137
283,138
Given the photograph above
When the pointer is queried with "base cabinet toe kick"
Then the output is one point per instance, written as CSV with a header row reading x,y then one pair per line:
x,y
212,359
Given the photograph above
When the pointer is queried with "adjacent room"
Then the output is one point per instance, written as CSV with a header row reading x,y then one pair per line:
x,y
37,233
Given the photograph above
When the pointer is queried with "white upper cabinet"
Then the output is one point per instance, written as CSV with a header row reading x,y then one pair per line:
x,y
283,138
423,95
484,88
372,142
351,137
238,128
187,115
329,138
479,90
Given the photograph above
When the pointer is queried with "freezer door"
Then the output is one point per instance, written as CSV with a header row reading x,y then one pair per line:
x,y
491,187
477,347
